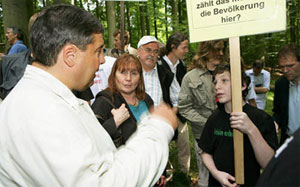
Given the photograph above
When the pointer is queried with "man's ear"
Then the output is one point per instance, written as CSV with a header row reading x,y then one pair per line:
x,y
172,46
69,54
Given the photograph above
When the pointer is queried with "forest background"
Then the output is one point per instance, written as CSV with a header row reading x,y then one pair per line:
x,y
159,18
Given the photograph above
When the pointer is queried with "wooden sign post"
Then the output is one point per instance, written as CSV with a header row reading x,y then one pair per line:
x,y
215,19
236,90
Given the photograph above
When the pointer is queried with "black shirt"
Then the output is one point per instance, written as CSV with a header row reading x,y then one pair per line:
x,y
217,140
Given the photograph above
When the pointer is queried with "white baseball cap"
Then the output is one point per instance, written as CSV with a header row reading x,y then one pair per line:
x,y
146,39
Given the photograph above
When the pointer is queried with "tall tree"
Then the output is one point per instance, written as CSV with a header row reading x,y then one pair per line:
x,y
128,22
166,18
155,17
175,23
17,13
142,18
111,21
147,19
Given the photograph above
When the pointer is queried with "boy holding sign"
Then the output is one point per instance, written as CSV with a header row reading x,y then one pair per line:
x,y
216,141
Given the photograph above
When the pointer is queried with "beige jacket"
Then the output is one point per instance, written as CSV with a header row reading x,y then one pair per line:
x,y
197,99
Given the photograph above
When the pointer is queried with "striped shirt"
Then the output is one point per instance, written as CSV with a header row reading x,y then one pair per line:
x,y
153,88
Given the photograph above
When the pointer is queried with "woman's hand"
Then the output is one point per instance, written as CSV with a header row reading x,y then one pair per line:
x,y
120,115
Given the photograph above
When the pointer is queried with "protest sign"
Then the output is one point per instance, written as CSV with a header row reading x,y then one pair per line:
x,y
216,19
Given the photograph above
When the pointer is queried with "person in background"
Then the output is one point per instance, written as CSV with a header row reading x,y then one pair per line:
x,y
286,104
14,36
49,137
260,79
260,139
172,57
197,99
121,106
117,51
14,66
158,79
101,78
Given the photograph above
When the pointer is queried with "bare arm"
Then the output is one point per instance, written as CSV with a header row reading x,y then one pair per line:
x,y
263,152
266,84
261,89
223,177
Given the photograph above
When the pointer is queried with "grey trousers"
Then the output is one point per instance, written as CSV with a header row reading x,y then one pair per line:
x,y
183,147
203,171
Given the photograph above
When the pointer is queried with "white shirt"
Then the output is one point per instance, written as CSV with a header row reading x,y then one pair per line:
x,y
152,86
102,75
176,87
294,107
263,79
51,138
251,92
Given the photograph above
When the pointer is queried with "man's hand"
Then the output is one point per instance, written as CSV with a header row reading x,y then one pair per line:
x,y
225,179
166,112
120,115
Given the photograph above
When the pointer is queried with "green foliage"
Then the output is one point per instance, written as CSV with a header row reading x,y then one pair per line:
x,y
2,34
252,47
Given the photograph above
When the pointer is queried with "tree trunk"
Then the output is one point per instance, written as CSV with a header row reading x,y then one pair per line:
x,y
142,18
128,28
111,21
155,18
17,13
80,3
174,15
97,10
55,2
292,20
179,12
147,18
166,18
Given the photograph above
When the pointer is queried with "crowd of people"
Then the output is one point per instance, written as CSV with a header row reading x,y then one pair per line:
x,y
79,116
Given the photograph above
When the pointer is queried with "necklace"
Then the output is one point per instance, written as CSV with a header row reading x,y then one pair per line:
x,y
135,102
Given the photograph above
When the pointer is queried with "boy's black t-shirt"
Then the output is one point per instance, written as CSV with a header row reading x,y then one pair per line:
x,y
217,140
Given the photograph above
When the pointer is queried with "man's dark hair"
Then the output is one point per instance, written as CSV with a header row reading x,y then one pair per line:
x,y
289,50
17,31
245,79
173,42
126,36
258,64
59,25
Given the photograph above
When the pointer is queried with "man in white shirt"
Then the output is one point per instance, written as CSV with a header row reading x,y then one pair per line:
x,y
260,79
49,137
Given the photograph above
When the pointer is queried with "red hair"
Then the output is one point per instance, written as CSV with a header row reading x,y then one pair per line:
x,y
125,62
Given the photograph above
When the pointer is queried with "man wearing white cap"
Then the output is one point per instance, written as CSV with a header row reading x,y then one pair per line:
x,y
158,80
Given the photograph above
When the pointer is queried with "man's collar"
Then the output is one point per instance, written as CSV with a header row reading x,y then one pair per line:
x,y
169,61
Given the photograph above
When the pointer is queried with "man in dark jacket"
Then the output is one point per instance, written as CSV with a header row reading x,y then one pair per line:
x,y
158,79
286,105
172,56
